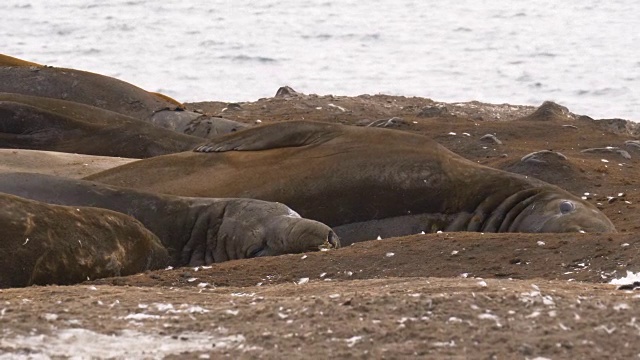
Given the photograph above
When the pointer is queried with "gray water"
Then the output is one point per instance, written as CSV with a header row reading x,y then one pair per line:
x,y
582,54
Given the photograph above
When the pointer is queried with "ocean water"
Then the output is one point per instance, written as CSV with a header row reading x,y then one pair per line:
x,y
582,54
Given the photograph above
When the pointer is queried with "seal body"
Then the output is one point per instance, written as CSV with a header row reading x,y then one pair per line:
x,y
83,87
38,123
195,231
49,244
109,94
363,182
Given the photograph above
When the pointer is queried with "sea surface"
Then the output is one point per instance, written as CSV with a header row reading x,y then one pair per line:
x,y
582,54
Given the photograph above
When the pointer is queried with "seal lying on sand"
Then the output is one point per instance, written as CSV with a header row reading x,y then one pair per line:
x,y
110,94
75,166
40,123
195,231
363,182
49,244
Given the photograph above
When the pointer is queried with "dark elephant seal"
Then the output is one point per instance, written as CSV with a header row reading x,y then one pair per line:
x,y
49,244
363,182
110,94
38,123
196,231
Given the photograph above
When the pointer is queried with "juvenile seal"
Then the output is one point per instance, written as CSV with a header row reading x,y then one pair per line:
x,y
49,244
111,94
363,182
195,231
39,123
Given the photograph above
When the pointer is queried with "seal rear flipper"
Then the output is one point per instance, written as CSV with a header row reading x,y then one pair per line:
x,y
273,136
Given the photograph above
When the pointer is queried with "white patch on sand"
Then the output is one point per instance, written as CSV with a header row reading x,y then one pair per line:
x,y
629,279
82,344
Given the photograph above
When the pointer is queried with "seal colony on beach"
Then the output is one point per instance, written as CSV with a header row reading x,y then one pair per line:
x,y
363,182
210,189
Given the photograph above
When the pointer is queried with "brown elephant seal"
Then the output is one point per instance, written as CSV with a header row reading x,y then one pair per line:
x,y
196,231
39,123
364,182
111,94
75,166
49,244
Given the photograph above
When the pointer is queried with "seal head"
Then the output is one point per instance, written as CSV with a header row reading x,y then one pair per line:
x,y
551,212
252,228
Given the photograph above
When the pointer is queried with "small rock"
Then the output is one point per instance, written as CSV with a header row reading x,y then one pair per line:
x,y
542,156
337,107
633,144
609,149
433,111
233,106
549,111
286,92
491,138
393,122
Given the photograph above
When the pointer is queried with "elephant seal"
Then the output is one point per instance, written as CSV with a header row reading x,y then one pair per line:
x,y
45,244
111,94
75,166
363,182
39,123
195,231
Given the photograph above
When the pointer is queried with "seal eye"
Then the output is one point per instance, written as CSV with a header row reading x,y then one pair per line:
x,y
566,207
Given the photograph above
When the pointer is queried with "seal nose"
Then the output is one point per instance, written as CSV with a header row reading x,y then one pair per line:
x,y
333,239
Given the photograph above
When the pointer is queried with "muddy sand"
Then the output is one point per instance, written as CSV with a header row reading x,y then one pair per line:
x,y
447,295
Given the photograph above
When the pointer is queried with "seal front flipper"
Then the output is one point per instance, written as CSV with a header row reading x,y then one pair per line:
x,y
278,135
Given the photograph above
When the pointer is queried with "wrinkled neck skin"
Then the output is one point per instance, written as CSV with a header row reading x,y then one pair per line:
x,y
495,213
541,209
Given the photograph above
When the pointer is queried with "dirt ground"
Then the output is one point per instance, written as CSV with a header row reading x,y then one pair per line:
x,y
447,295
